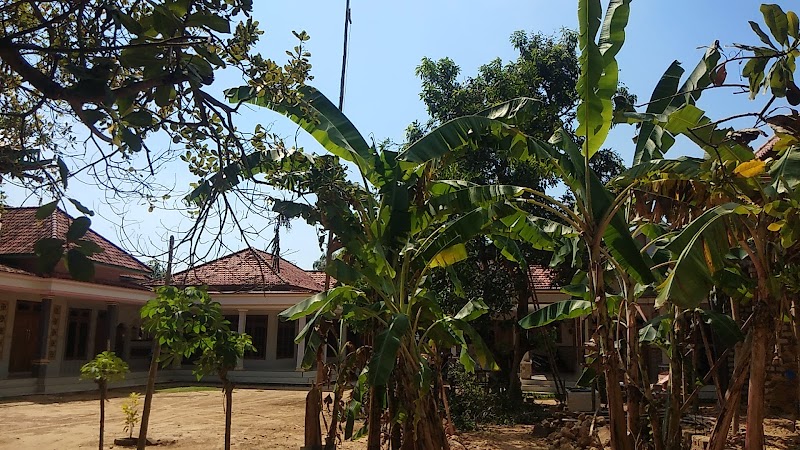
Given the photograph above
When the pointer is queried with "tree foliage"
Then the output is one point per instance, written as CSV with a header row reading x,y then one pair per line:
x,y
124,71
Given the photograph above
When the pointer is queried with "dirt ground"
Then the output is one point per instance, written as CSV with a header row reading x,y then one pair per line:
x,y
183,420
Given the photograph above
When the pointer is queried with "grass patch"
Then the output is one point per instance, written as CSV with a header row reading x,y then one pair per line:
x,y
187,389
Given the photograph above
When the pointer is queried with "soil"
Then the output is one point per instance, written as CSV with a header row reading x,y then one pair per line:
x,y
262,419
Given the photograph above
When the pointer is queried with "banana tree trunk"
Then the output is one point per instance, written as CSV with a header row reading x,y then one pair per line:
x,y
719,435
333,429
635,399
374,419
673,436
754,438
313,432
424,428
620,439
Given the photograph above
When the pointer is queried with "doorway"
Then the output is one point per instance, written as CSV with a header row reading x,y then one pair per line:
x,y
25,337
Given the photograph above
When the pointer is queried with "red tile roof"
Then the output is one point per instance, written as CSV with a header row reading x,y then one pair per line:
x,y
542,278
19,231
249,270
9,269
319,277
767,148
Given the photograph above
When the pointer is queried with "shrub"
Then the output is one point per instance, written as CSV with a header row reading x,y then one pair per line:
x,y
130,408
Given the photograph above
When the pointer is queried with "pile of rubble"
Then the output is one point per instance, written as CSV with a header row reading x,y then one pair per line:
x,y
569,432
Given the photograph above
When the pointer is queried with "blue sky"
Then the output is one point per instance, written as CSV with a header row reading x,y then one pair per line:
x,y
388,39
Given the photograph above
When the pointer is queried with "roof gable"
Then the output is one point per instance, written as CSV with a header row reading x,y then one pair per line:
x,y
19,231
249,270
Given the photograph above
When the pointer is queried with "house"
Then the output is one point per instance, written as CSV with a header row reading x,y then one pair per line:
x,y
253,286
50,325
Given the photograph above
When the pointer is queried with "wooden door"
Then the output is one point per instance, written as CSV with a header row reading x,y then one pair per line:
x,y
25,337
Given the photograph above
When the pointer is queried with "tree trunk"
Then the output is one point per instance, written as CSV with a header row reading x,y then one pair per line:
x,y
673,436
374,419
710,357
227,386
620,439
102,411
151,375
796,333
395,431
330,440
423,428
148,395
719,435
523,295
313,431
754,439
634,380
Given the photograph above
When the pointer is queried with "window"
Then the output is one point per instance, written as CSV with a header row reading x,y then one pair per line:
x,y
77,333
286,335
256,327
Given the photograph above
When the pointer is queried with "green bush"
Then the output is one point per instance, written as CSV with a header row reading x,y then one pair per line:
x,y
473,403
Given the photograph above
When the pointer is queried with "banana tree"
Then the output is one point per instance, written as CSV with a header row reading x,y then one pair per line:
x,y
729,200
395,228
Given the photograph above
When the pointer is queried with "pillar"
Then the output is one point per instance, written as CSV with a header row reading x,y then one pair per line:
x,y
112,312
301,346
242,327
40,360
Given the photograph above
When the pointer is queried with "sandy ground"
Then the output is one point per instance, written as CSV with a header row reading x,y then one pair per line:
x,y
262,419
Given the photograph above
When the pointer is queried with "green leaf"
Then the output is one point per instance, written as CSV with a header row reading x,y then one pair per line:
x,y
133,141
700,247
48,252
78,228
458,134
723,327
513,110
761,35
777,22
141,118
81,208
79,265
472,310
649,140
785,172
319,117
88,247
599,77
567,309
384,356
63,171
793,24
46,210
588,375
213,21
449,256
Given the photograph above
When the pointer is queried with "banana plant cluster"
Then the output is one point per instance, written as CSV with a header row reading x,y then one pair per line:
x,y
395,228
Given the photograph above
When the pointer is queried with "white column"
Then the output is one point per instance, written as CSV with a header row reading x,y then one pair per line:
x,y
301,347
242,324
